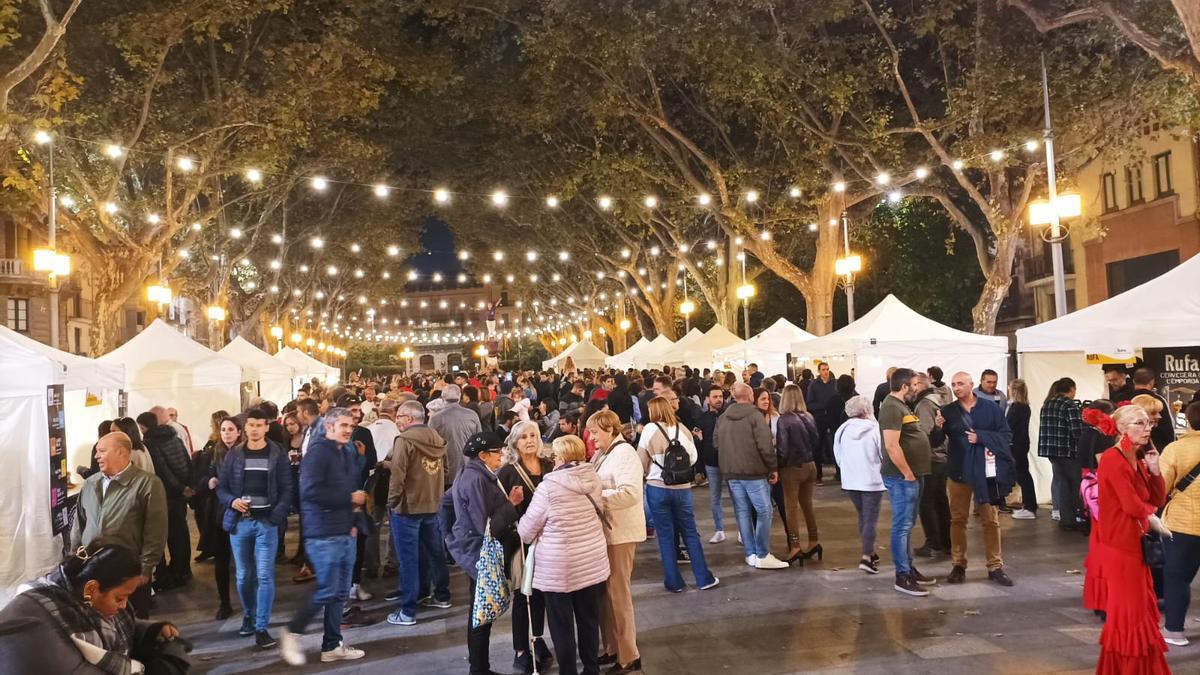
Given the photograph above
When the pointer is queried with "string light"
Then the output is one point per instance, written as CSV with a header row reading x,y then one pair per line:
x,y
317,242
331,270
498,256
605,202
794,192
441,196
393,250
751,196
277,239
996,155
464,255
500,198
153,219
185,164
1031,145
650,201
839,186
812,227
921,173
883,178
113,151
110,207
319,183
235,233
564,256
552,202
67,201
703,199
381,191
41,137
531,256
254,175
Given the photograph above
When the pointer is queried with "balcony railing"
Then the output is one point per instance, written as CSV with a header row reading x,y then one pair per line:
x,y
12,267
1042,266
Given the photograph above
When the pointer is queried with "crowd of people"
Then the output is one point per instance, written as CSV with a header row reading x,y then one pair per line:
x,y
551,480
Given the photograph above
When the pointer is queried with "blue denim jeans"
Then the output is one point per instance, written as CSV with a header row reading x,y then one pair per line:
x,y
421,557
904,497
674,513
646,509
752,507
332,559
254,542
714,496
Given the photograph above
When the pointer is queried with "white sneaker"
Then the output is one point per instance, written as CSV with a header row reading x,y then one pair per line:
x,y
359,593
1024,514
342,653
752,560
1054,515
770,562
717,538
1176,639
739,537
289,648
714,583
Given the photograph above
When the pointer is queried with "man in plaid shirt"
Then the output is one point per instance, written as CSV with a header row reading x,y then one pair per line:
x,y
1058,440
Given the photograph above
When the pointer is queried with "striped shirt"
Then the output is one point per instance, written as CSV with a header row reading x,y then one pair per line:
x,y
254,480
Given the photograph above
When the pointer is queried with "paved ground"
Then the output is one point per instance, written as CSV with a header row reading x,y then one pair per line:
x,y
826,617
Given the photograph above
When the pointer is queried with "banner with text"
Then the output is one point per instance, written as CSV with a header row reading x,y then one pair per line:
x,y
1178,371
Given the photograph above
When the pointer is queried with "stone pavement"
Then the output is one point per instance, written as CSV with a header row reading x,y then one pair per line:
x,y
825,617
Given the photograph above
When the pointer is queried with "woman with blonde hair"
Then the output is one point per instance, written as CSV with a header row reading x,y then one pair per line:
x,y
1018,415
796,440
525,464
620,473
1131,492
570,561
670,496
1153,407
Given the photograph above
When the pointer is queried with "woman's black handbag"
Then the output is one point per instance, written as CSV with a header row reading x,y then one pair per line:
x,y
1154,554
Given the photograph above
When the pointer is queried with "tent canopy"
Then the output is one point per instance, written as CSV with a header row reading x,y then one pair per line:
x,y
256,364
165,367
272,376
583,354
1166,317
698,351
78,372
652,354
308,367
768,349
625,358
892,334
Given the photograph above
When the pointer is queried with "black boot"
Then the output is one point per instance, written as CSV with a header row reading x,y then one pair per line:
x,y
544,656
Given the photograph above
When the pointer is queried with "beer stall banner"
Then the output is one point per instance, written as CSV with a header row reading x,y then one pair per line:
x,y
57,430
1178,371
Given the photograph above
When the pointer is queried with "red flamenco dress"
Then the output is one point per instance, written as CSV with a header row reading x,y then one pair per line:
x,y
1130,643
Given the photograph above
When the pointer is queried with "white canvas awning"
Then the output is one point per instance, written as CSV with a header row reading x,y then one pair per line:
x,y
583,354
768,349
625,359
271,377
698,351
307,367
653,353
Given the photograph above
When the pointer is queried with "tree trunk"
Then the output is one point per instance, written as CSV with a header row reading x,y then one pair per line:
x,y
995,285
113,286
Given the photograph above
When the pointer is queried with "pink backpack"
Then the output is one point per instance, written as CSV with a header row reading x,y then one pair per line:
x,y
1089,491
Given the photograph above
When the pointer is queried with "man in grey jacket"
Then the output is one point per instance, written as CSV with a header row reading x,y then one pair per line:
x,y
123,505
746,455
455,424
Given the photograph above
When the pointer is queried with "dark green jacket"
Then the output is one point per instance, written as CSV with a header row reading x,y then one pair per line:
x,y
133,514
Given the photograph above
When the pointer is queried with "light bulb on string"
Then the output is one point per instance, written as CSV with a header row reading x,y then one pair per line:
x,y
185,164
277,239
996,155
605,202
957,165
114,151
704,199
921,173
254,175
751,196
1031,145
319,183
564,256
153,219
794,192
883,178
111,208
235,233
317,242
381,191
552,202
500,198
393,250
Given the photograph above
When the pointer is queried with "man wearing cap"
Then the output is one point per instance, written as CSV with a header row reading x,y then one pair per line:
x,y
455,424
478,499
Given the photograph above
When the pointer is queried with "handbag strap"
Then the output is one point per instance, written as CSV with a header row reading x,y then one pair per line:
x,y
603,518
525,477
1187,480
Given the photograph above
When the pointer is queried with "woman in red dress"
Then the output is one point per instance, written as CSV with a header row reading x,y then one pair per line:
x,y
1131,490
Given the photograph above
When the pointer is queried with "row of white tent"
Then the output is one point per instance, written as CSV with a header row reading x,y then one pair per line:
x,y
159,366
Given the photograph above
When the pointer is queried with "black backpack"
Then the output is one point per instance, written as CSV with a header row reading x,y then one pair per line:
x,y
676,465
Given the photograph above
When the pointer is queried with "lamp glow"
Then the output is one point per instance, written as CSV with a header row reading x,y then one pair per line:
x,y
848,265
216,313
746,291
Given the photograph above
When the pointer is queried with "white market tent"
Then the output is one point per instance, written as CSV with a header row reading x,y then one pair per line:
x,y
625,359
583,354
653,353
1158,313
768,349
28,547
892,334
266,376
165,367
307,367
698,351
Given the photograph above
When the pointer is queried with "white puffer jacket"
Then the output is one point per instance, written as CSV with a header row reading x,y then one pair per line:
x,y
571,552
620,473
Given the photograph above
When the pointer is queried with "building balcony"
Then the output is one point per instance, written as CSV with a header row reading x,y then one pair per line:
x,y
15,269
1041,266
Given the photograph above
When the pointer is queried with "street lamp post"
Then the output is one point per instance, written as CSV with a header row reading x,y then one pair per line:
x,y
51,261
849,273
1056,236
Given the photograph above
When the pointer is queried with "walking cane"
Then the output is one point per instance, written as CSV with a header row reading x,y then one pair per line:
x,y
527,590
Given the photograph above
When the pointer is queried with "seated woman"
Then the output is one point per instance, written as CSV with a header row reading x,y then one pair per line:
x,y
76,619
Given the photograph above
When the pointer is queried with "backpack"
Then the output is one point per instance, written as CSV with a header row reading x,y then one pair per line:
x,y
676,465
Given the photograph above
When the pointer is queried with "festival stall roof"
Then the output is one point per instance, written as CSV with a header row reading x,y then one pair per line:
x,y
698,351
892,334
1158,313
165,367
28,546
307,367
625,358
652,354
583,354
91,392
768,349
273,377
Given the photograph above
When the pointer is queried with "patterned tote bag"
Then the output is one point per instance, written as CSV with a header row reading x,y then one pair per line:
x,y
492,595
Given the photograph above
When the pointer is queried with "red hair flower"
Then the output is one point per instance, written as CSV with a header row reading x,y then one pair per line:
x,y
1101,421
